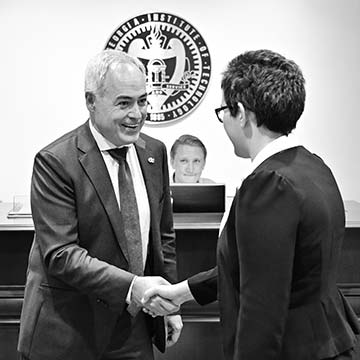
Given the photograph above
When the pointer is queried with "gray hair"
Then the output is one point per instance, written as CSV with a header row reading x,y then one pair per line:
x,y
99,65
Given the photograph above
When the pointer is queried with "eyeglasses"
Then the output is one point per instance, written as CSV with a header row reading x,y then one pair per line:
x,y
220,113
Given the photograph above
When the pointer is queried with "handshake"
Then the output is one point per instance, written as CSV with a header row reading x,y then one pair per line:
x,y
159,297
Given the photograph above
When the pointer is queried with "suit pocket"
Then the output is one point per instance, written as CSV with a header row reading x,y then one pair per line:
x,y
64,323
54,287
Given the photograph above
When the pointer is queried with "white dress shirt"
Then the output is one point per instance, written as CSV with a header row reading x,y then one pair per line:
x,y
138,181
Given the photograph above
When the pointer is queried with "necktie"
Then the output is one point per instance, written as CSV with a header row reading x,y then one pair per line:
x,y
129,212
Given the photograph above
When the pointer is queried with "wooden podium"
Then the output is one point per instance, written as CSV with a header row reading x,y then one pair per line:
x,y
196,251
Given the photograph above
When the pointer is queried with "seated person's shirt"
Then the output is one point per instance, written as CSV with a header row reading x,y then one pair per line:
x,y
201,180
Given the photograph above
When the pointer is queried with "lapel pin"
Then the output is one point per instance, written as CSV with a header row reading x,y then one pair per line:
x,y
151,160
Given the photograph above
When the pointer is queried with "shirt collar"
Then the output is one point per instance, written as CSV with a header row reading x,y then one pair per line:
x,y
280,144
102,143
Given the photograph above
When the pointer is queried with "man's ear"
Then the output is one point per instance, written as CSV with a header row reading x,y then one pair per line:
x,y
241,114
90,101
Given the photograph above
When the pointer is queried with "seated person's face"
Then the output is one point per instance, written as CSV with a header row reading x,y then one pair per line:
x,y
188,164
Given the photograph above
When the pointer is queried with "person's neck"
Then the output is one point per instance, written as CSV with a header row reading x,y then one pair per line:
x,y
260,139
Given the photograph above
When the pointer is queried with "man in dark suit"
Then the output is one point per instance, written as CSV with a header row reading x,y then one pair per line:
x,y
278,253
85,280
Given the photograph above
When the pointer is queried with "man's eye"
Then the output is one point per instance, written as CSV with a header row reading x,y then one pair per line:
x,y
123,104
142,102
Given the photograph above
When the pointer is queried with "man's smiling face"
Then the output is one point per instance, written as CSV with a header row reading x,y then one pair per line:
x,y
120,107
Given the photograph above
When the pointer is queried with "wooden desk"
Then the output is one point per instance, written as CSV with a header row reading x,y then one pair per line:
x,y
196,243
196,251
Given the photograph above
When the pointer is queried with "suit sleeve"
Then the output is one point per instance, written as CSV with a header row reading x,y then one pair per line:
x,y
203,286
267,217
56,226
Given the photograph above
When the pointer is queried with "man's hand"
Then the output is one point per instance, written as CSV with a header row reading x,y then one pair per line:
x,y
174,325
143,283
162,299
158,306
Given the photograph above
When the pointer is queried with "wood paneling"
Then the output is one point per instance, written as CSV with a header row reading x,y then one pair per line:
x,y
196,251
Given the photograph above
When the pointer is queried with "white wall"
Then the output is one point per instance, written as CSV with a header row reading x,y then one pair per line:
x,y
46,44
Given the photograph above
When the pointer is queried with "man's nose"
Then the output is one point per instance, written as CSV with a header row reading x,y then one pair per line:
x,y
135,112
190,167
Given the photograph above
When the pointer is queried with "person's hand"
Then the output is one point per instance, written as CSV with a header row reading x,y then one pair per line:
x,y
158,306
173,325
143,283
156,299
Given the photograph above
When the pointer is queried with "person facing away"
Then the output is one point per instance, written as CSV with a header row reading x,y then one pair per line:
x,y
188,158
91,261
278,253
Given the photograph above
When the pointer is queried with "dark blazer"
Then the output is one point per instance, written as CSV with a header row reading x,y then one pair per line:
x,y
77,278
277,264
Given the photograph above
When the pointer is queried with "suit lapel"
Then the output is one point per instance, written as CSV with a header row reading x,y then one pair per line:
x,y
149,165
93,164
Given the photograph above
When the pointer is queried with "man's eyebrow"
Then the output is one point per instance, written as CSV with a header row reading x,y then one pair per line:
x,y
126,97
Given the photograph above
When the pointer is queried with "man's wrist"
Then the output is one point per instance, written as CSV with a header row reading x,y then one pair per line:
x,y
183,292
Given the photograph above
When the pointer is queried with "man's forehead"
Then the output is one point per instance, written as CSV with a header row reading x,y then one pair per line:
x,y
184,150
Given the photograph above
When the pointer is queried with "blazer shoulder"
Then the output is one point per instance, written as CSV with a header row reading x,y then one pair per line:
x,y
266,177
64,141
268,184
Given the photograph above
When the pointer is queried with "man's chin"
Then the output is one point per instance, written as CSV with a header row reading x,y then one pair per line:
x,y
127,139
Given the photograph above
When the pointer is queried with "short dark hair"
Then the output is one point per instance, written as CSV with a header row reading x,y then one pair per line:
x,y
187,140
269,85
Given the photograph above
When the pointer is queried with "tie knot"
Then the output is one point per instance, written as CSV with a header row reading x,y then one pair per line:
x,y
119,154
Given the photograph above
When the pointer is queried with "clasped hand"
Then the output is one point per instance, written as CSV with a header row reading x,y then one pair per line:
x,y
146,294
164,299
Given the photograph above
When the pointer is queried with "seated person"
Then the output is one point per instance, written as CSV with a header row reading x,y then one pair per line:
x,y
188,158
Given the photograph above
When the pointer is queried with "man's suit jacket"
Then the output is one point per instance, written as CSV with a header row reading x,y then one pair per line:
x,y
77,278
277,264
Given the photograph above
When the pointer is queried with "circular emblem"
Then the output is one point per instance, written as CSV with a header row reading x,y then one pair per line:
x,y
176,59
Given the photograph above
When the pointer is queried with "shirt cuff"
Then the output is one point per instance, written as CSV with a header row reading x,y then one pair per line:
x,y
128,297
